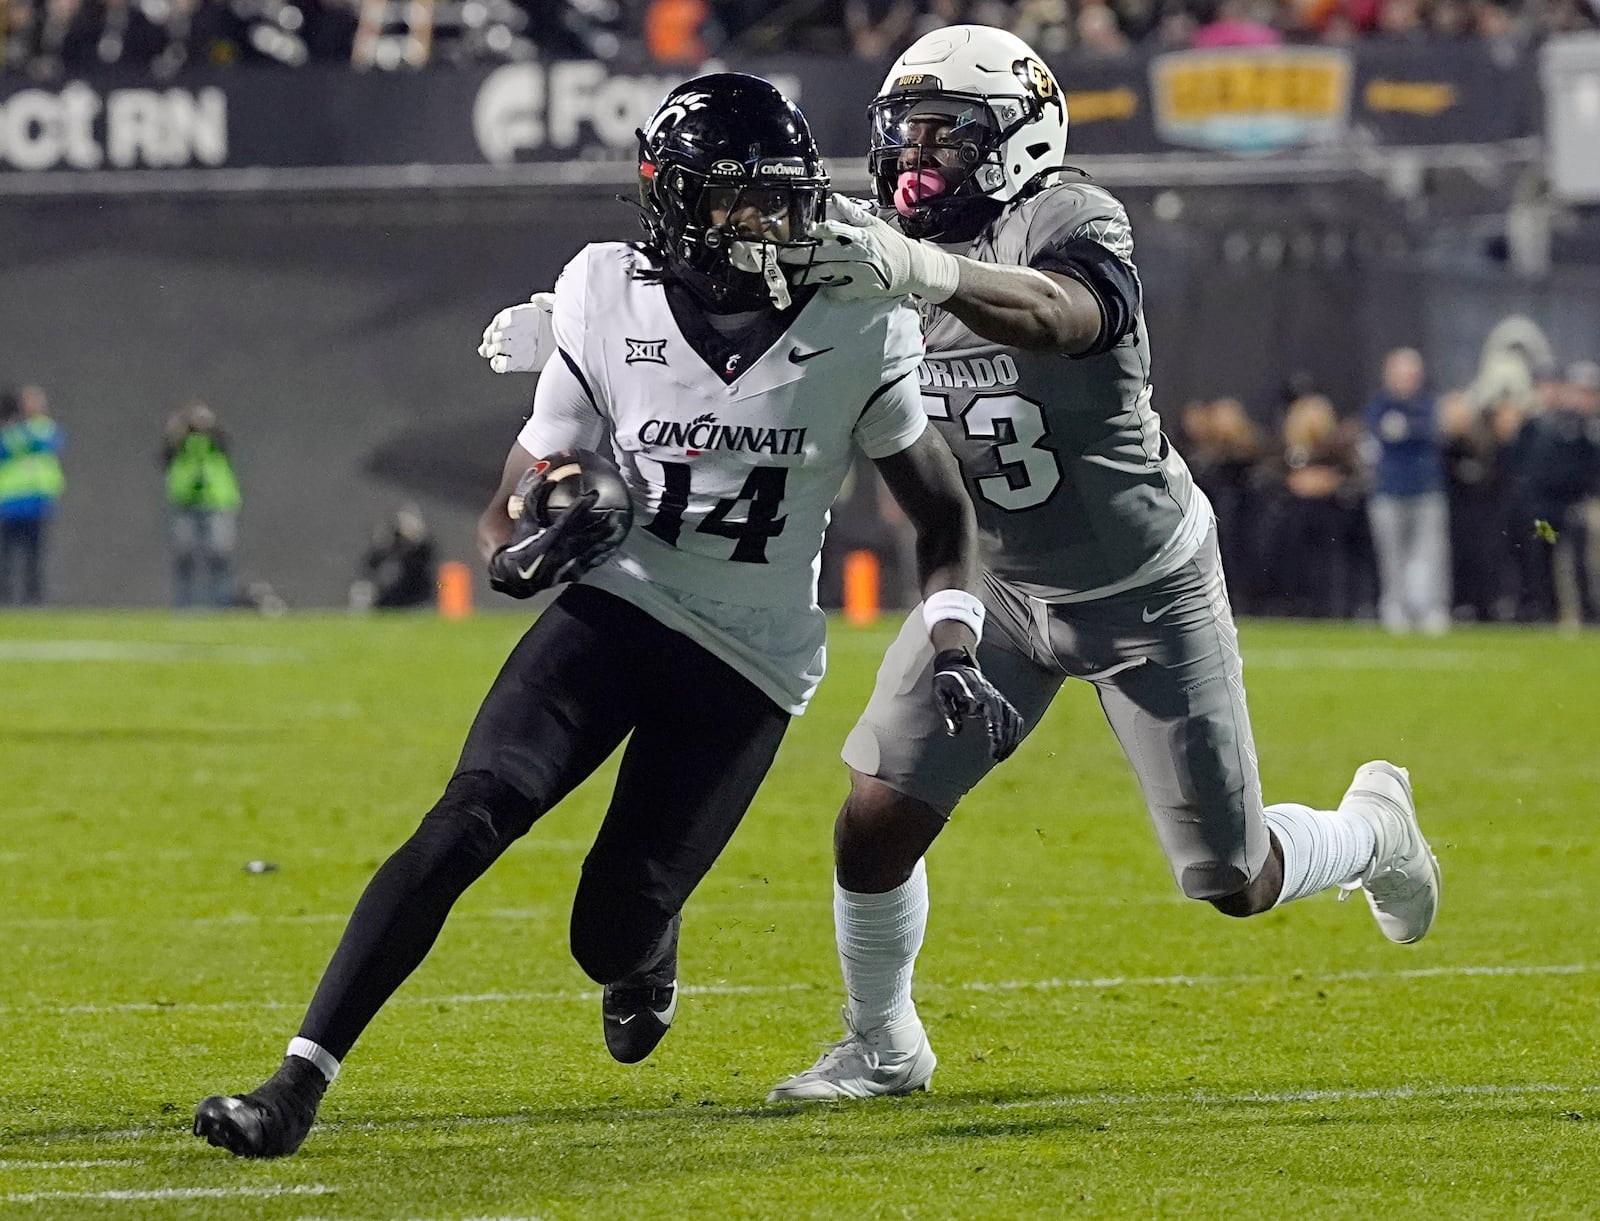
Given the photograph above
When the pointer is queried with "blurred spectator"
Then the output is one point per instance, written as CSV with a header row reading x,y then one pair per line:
x,y
31,483
1480,560
1516,355
204,494
1408,510
399,568
1045,25
878,28
1561,474
1234,23
1098,32
679,33
1223,452
1308,543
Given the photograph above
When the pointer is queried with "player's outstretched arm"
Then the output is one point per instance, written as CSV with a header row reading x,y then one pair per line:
x,y
858,256
1022,307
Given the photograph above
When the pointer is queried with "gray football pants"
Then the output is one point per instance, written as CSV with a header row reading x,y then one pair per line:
x,y
1165,662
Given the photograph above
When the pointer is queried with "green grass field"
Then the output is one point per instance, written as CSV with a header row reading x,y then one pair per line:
x,y
1107,1049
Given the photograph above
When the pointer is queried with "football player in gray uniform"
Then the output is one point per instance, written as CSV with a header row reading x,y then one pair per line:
x,y
1100,553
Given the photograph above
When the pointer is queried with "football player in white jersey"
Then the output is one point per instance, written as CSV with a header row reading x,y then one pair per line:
x,y
1100,554
731,402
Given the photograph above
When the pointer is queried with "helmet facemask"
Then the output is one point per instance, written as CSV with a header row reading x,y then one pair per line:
x,y
721,231
938,159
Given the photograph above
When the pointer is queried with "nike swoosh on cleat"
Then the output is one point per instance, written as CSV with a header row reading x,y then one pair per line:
x,y
797,357
532,568
623,1021
1150,616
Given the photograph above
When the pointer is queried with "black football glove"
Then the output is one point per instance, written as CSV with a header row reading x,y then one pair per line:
x,y
536,558
961,691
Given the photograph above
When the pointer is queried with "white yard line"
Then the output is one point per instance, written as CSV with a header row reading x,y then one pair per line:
x,y
80,1164
167,1193
1012,985
1399,1093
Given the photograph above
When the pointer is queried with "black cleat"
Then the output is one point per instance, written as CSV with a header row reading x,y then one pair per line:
x,y
637,1011
269,1122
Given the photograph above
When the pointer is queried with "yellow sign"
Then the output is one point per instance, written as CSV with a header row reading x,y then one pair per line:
x,y
1094,105
1251,100
1411,97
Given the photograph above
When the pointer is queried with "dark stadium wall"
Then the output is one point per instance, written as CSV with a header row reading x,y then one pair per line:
x,y
336,341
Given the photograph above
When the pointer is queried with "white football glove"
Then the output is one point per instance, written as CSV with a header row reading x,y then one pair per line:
x,y
522,338
862,257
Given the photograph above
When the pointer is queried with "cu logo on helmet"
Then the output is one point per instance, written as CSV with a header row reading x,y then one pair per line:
x,y
1037,77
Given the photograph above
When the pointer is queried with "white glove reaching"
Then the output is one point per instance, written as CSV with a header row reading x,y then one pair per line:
x,y
862,256
522,338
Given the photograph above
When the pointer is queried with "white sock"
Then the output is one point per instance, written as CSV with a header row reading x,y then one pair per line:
x,y
317,1054
1321,848
878,938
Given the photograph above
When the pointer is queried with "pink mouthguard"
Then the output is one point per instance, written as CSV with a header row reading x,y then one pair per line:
x,y
916,186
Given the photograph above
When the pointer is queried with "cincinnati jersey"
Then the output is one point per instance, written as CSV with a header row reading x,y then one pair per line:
x,y
733,447
1078,493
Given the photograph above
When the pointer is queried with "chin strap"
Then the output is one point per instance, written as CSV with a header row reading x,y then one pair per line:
x,y
761,258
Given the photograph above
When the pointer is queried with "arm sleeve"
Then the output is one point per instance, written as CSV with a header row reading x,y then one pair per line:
x,y
564,415
892,418
1083,232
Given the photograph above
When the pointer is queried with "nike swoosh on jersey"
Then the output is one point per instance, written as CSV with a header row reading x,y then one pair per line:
x,y
1150,616
797,357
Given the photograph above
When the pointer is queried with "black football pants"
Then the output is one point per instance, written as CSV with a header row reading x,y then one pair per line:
x,y
592,670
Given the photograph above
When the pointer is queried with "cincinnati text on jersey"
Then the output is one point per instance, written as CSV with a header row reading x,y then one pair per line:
x,y
704,433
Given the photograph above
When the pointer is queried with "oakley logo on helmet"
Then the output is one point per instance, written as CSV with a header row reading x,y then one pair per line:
x,y
727,167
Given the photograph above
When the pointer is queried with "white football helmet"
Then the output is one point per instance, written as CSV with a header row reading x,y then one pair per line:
x,y
967,119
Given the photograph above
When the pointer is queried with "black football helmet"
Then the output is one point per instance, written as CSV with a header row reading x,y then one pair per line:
x,y
728,174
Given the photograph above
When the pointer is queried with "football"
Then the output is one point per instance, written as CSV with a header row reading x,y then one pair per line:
x,y
555,483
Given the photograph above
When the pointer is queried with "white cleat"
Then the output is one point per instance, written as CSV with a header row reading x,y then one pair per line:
x,y
861,1066
1402,883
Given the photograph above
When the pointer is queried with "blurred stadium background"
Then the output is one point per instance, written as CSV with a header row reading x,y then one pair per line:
x,y
303,213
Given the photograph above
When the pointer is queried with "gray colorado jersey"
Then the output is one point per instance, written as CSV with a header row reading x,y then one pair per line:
x,y
1078,493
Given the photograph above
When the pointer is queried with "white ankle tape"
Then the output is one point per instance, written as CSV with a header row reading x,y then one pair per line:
x,y
307,1050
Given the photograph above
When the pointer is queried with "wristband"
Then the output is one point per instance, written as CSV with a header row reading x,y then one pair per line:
x,y
955,604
